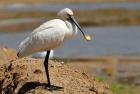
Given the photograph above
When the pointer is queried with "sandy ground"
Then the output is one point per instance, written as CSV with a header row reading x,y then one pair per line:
x,y
27,76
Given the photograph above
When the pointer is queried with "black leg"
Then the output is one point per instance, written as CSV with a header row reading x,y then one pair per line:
x,y
50,87
46,68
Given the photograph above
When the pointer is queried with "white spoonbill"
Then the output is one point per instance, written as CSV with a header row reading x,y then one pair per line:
x,y
51,35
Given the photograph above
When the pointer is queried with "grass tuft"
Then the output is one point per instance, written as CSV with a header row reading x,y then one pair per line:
x,y
117,88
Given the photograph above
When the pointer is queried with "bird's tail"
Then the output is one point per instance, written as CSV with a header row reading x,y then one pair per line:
x,y
18,54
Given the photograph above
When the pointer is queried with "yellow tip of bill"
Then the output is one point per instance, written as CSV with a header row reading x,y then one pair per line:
x,y
88,37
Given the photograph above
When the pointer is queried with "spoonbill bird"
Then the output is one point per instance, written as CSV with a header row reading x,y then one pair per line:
x,y
50,35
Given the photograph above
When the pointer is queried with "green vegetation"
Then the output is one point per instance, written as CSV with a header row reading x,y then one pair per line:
x,y
117,88
99,79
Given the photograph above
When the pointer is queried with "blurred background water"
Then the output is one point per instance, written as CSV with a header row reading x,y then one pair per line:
x,y
106,41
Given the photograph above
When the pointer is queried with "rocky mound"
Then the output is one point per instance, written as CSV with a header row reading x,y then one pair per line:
x,y
27,76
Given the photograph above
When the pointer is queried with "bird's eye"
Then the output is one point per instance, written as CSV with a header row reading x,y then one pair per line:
x,y
68,17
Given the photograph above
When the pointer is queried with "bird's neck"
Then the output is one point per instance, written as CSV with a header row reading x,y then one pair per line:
x,y
72,29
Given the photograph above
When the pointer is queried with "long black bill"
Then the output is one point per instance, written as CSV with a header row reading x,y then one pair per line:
x,y
87,37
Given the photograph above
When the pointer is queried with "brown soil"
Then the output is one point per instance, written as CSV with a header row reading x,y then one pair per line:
x,y
27,76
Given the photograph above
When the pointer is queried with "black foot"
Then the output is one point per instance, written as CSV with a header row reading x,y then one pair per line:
x,y
54,88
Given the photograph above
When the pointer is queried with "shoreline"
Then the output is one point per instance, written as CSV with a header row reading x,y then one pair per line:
x,y
106,17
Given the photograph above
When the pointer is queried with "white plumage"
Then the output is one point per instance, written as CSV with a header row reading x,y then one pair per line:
x,y
49,35
42,55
